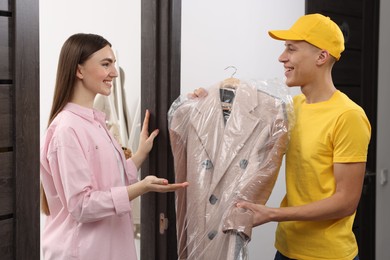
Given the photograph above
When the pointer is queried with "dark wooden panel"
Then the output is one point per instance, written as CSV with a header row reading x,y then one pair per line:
x,y
4,5
352,29
6,98
345,7
160,80
4,30
370,84
6,239
26,84
347,71
6,184
5,50
362,17
149,226
353,92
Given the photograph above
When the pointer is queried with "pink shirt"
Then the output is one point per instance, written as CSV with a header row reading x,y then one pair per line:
x,y
90,212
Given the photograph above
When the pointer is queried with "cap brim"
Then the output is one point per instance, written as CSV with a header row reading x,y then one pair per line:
x,y
285,35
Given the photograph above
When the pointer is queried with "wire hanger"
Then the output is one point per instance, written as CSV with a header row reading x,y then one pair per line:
x,y
231,82
227,92
235,70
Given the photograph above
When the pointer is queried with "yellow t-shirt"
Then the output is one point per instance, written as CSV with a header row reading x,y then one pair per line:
x,y
334,131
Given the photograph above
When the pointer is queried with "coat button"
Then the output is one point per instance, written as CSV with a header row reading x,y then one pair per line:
x,y
213,199
243,164
207,164
212,234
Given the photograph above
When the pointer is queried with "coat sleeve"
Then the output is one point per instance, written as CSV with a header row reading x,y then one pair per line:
x,y
178,117
260,176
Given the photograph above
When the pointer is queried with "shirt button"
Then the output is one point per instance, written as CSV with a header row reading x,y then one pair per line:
x,y
212,234
243,164
207,164
213,199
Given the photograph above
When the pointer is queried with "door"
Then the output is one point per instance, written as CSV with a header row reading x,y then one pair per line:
x,y
356,75
19,131
160,86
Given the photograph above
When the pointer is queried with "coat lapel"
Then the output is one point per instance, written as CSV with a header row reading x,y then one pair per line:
x,y
238,129
208,123
223,143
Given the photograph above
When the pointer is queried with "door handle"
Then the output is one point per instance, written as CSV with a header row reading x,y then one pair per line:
x,y
163,223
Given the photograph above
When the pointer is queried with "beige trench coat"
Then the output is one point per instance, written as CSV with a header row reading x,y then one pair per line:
x,y
224,164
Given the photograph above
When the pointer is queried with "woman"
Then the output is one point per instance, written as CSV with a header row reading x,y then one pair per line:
x,y
87,184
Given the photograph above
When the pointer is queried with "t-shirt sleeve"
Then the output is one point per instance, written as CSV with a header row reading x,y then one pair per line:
x,y
351,137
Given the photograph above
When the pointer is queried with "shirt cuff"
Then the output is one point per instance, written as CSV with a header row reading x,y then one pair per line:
x,y
120,198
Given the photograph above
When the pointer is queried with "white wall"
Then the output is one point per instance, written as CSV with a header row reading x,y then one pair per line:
x,y
216,34
220,33
383,140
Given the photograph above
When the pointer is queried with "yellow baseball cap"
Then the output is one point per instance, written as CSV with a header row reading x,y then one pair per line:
x,y
317,30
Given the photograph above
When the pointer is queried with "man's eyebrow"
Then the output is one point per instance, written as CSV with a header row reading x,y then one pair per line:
x,y
290,45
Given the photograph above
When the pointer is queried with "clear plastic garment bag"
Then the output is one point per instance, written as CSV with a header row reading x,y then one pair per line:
x,y
229,146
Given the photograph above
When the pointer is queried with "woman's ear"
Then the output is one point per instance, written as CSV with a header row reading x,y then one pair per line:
x,y
79,72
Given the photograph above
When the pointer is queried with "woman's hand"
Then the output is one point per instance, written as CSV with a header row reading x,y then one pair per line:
x,y
152,183
145,142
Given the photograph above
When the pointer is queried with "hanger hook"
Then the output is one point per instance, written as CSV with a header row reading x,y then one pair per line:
x,y
235,70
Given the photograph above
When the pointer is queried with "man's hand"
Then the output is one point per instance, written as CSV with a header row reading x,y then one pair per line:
x,y
198,93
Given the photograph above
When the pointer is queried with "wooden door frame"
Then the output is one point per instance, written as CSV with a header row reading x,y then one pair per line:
x,y
26,128
160,86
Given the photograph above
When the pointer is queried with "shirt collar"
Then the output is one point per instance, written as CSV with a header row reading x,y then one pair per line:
x,y
86,113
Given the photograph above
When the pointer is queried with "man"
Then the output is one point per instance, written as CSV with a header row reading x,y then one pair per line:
x,y
326,156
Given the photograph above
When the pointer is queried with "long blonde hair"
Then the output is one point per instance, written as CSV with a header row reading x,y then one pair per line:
x,y
76,50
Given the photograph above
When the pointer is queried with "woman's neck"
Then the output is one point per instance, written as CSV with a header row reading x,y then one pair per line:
x,y
83,97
